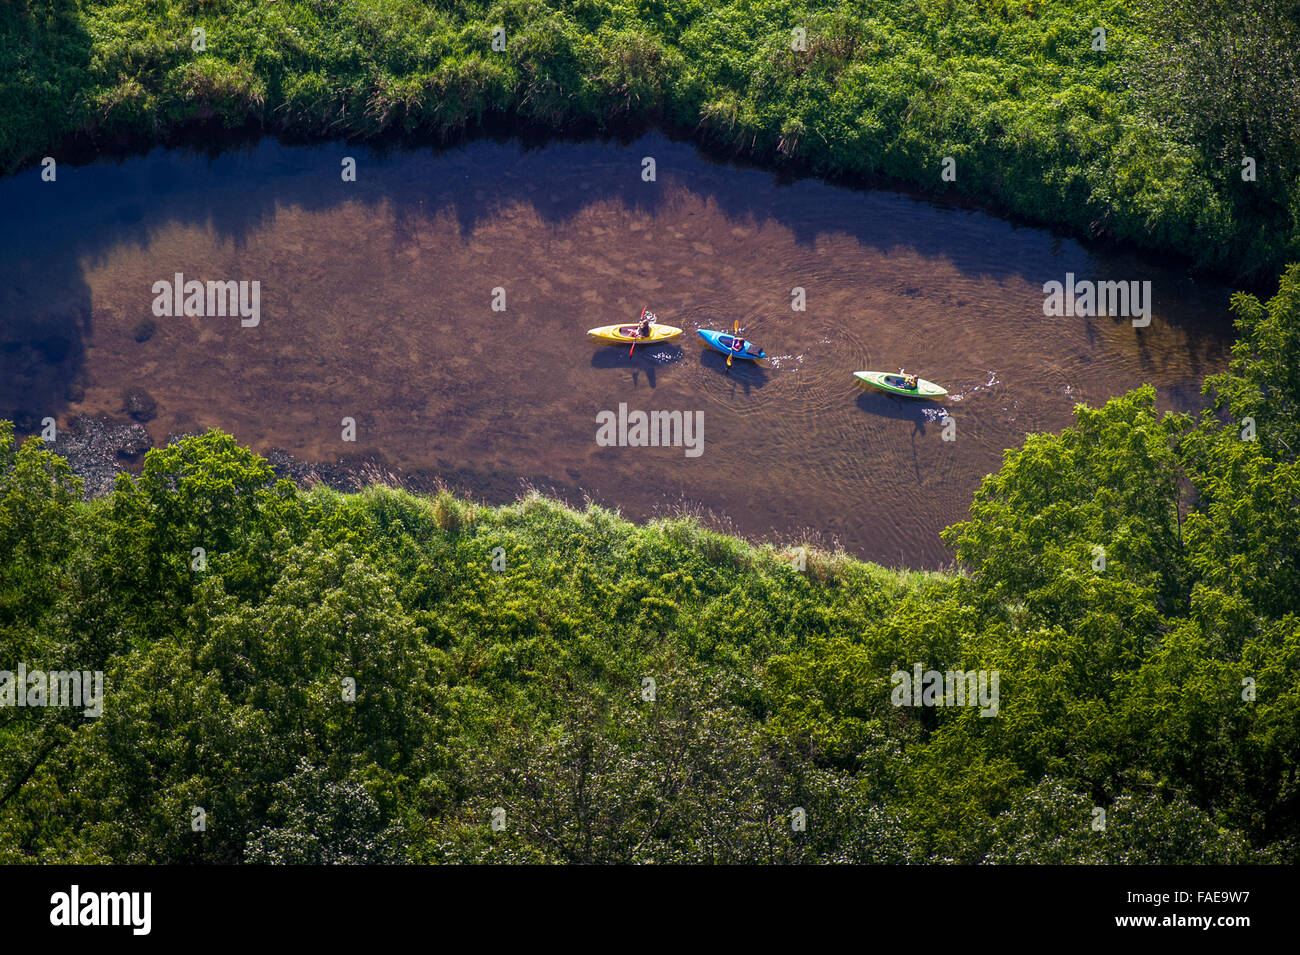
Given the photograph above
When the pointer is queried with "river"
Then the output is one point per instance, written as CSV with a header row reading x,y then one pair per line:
x,y
376,305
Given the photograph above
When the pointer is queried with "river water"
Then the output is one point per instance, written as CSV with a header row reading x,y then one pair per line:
x,y
376,304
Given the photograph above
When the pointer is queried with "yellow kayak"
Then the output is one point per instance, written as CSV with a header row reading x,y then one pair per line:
x,y
626,334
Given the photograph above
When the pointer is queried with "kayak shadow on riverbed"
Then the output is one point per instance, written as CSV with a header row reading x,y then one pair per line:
x,y
648,360
919,413
745,373
881,405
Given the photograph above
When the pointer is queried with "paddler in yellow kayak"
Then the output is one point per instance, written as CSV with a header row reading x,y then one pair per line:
x,y
644,330
647,329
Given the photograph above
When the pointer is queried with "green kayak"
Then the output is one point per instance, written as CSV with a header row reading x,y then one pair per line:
x,y
897,384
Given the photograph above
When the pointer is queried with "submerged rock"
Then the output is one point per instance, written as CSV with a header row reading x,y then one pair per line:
x,y
139,404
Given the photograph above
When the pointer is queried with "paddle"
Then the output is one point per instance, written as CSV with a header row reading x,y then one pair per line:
x,y
638,325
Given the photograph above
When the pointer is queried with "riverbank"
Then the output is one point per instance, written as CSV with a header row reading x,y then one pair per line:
x,y
1033,119
98,449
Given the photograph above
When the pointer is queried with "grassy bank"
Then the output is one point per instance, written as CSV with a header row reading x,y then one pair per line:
x,y
1038,121
378,676
523,687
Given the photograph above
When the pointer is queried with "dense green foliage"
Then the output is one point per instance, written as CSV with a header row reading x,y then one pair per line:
x,y
500,658
1141,141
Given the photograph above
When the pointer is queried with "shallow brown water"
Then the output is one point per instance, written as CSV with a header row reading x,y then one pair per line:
x,y
376,304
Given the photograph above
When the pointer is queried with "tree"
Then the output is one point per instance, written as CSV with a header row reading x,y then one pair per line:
x,y
1052,824
1224,75
1083,523
1262,383
320,820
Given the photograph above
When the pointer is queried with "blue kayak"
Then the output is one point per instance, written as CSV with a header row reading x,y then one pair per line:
x,y
725,342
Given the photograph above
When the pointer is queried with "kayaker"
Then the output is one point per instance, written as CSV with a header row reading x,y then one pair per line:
x,y
643,330
910,382
737,344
